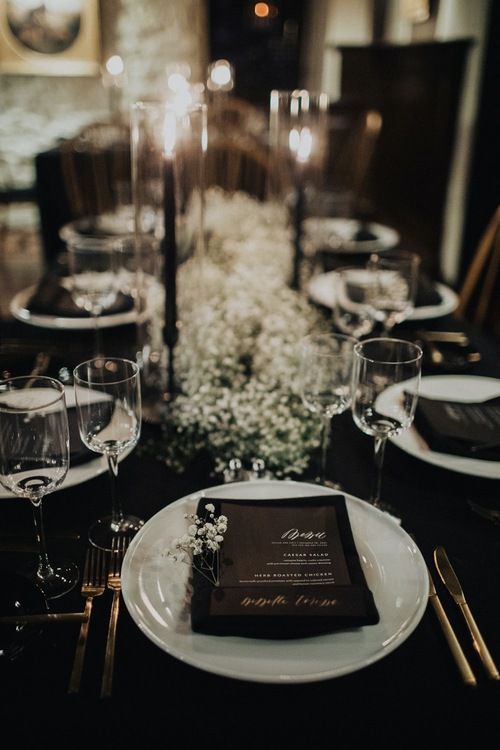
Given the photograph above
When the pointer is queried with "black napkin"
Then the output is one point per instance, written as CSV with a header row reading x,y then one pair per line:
x,y
289,568
427,294
51,298
462,429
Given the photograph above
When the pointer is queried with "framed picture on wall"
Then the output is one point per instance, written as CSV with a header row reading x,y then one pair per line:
x,y
51,37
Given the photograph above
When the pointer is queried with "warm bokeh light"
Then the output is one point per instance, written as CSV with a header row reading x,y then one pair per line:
x,y
261,10
114,65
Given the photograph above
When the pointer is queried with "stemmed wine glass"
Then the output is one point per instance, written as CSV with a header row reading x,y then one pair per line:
x,y
94,265
108,403
353,313
34,460
325,382
379,365
393,287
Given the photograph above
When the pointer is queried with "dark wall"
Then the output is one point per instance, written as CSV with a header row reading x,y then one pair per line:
x,y
263,51
417,89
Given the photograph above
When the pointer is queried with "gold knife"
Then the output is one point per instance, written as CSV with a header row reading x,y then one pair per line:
x,y
450,580
455,648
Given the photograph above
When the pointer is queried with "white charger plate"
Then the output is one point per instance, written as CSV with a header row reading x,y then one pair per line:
x,y
336,234
154,591
466,388
321,290
19,309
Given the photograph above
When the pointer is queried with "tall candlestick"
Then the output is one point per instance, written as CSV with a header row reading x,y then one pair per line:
x,y
170,251
300,143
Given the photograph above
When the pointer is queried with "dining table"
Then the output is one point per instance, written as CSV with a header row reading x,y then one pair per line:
x,y
409,696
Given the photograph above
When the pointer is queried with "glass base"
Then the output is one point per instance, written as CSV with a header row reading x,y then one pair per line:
x,y
19,596
102,533
63,579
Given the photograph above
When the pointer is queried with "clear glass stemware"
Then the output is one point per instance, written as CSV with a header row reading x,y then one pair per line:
x,y
34,460
325,382
393,288
386,380
94,265
353,314
108,402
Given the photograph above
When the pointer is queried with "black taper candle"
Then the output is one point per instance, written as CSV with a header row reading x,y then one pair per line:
x,y
298,213
170,265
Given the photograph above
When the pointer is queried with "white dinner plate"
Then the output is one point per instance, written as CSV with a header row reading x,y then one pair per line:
x,y
466,388
321,290
19,310
154,590
337,235
82,472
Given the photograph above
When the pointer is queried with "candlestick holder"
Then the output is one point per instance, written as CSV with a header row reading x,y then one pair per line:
x,y
298,139
168,150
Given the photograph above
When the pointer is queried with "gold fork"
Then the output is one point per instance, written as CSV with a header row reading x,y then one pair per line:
x,y
119,547
93,584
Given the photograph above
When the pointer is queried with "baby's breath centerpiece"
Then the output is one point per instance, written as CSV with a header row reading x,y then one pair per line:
x,y
237,356
200,546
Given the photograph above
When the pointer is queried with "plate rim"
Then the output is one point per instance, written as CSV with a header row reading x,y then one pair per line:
x,y
312,676
427,456
58,322
448,295
388,237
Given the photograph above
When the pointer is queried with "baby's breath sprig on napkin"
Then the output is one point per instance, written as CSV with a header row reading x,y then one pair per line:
x,y
201,544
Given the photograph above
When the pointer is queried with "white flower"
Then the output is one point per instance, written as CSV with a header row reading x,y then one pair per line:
x,y
210,507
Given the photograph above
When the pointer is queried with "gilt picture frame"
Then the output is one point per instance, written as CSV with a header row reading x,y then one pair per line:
x,y
52,38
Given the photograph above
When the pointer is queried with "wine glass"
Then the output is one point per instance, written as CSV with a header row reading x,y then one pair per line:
x,y
94,264
380,364
325,382
34,460
353,313
394,287
108,403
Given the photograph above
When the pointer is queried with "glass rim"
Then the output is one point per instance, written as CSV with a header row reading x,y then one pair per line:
x,y
395,254
358,346
135,373
59,387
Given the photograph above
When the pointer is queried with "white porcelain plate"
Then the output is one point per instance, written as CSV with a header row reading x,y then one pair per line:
x,y
321,290
154,590
466,388
337,235
19,309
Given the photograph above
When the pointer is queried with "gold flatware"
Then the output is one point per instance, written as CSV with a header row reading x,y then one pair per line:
x,y
454,337
93,584
450,580
455,648
43,618
490,514
115,584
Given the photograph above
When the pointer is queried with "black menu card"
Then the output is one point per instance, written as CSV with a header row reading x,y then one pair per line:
x,y
289,568
469,429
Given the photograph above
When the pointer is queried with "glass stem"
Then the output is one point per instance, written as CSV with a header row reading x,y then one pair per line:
x,y
379,460
325,441
45,569
116,508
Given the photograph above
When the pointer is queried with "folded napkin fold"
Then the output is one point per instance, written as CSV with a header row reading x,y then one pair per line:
x,y
469,429
51,297
289,568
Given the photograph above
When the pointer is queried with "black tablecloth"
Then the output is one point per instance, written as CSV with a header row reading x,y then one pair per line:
x,y
411,698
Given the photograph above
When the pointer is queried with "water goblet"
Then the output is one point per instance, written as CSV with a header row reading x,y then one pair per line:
x,y
94,265
353,313
108,403
380,364
394,287
325,382
34,460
